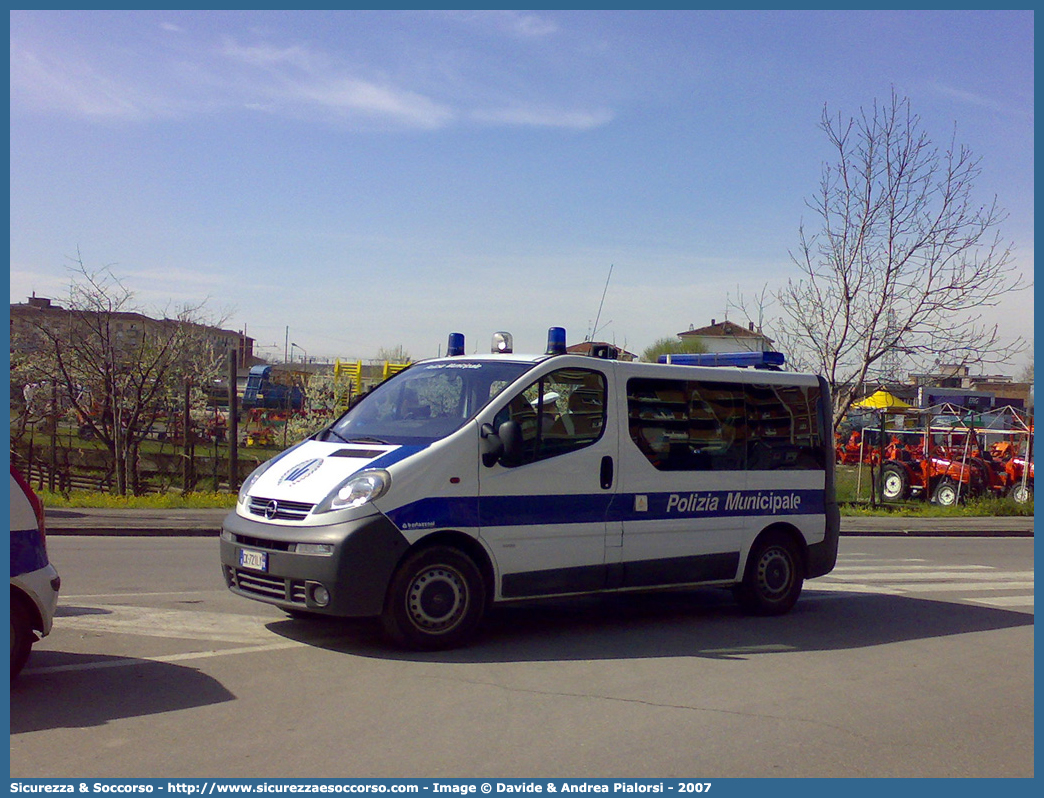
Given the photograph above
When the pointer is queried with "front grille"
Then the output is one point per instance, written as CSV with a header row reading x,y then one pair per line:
x,y
267,586
261,543
280,509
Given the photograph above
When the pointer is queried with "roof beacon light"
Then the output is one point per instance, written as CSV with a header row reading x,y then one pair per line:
x,y
759,360
455,347
503,344
556,341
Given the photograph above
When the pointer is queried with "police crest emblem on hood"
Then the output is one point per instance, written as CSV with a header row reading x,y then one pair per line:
x,y
300,471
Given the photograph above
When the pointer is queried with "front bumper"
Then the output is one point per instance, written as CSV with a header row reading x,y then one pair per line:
x,y
356,573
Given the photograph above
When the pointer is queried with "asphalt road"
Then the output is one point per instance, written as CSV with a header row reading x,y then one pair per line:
x,y
914,658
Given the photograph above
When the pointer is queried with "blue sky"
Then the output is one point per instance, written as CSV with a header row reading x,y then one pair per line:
x,y
375,179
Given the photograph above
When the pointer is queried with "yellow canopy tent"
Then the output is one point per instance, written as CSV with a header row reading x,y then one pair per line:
x,y
880,400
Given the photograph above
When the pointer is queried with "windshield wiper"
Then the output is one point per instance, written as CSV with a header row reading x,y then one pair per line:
x,y
331,431
364,439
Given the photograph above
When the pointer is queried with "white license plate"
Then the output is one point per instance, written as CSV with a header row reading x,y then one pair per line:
x,y
254,560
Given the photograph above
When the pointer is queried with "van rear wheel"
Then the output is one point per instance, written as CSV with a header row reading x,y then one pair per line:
x,y
435,600
773,578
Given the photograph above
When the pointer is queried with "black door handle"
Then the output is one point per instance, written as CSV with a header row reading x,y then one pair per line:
x,y
606,475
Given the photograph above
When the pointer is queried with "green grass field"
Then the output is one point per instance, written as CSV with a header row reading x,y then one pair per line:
x,y
854,493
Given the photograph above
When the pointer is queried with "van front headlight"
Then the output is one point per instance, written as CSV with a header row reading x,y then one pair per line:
x,y
248,483
357,490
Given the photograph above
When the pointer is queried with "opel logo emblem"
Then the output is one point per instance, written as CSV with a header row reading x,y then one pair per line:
x,y
271,509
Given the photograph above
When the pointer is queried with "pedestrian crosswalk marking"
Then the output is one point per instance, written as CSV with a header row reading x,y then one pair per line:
x,y
1006,602
906,567
897,575
978,584
182,624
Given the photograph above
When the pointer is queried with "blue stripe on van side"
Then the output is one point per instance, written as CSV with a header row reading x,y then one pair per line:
x,y
469,512
27,551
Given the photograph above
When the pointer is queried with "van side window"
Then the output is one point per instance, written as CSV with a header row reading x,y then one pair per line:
x,y
559,413
687,425
784,432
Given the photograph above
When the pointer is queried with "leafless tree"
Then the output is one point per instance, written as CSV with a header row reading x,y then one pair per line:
x,y
904,261
395,354
671,346
118,369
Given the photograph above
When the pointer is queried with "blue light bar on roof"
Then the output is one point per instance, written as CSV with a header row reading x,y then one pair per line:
x,y
556,341
455,347
762,360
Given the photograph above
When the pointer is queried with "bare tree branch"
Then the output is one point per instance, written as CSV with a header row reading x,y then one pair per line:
x,y
118,369
903,259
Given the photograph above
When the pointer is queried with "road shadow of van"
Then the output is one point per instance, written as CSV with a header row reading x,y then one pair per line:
x,y
64,690
702,623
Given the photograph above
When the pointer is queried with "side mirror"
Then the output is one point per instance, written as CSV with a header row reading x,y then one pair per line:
x,y
510,434
492,446
503,445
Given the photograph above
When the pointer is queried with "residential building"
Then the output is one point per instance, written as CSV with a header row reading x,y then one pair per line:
x,y
728,336
594,347
129,328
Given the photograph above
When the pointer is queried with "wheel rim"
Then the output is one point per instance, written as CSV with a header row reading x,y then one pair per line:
x,y
893,485
775,573
947,495
437,599
1020,494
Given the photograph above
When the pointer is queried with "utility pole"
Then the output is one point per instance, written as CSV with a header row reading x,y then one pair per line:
x,y
233,425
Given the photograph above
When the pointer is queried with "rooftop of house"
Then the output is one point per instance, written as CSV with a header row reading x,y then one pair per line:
x,y
725,328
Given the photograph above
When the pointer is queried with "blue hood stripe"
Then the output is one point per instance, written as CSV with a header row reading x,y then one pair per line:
x,y
391,458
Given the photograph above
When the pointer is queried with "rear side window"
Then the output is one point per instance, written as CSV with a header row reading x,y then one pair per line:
x,y
689,425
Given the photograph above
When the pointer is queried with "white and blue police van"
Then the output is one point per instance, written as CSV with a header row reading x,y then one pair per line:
x,y
34,580
470,481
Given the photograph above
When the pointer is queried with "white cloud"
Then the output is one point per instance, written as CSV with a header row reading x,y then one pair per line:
x,y
52,83
522,24
266,55
293,79
349,95
971,98
544,117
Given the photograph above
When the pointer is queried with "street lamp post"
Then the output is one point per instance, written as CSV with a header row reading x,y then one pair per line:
x,y
294,346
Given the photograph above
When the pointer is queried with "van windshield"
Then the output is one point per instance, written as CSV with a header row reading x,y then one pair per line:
x,y
425,402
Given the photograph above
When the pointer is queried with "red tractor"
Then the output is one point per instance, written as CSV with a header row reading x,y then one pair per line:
x,y
1009,472
948,473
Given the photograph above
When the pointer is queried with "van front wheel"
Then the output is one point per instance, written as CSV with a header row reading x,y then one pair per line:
x,y
435,600
773,578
